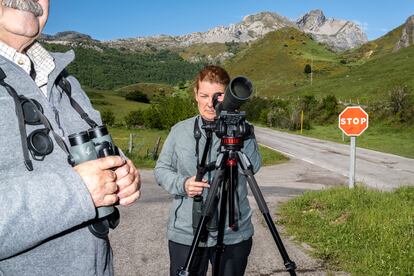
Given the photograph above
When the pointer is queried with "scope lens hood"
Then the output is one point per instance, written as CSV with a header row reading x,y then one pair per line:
x,y
29,111
39,142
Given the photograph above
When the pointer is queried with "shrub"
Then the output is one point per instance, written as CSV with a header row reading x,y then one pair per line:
x,y
135,119
108,117
162,115
328,109
401,103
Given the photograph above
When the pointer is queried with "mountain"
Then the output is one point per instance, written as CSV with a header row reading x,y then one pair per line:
x,y
67,37
393,41
339,35
276,65
251,28
274,60
407,35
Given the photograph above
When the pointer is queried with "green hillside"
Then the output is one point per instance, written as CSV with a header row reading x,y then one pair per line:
x,y
109,68
374,49
276,62
370,80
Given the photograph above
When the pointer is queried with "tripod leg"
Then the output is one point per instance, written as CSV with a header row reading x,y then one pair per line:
x,y
247,169
221,226
208,211
233,176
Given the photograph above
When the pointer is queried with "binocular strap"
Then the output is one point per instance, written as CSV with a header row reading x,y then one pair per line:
x,y
22,127
64,84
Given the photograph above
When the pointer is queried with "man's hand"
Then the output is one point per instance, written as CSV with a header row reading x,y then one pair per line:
x,y
193,188
100,179
129,183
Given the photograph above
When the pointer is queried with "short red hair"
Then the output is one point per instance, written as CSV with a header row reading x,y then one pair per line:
x,y
213,74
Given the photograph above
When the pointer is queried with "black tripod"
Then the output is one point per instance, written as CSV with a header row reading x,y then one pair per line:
x,y
229,160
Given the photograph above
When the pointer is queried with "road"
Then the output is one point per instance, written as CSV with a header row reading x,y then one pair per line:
x,y
140,245
375,169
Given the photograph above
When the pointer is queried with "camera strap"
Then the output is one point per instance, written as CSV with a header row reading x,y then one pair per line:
x,y
197,136
64,84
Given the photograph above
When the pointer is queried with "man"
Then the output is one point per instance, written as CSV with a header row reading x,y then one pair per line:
x,y
46,206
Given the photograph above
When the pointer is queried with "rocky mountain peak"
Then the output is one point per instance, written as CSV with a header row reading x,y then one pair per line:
x,y
311,21
407,36
70,36
338,34
267,18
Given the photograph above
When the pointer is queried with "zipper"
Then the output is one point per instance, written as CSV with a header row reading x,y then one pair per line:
x,y
176,211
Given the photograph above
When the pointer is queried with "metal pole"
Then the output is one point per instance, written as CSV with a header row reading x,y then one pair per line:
x,y
352,163
301,122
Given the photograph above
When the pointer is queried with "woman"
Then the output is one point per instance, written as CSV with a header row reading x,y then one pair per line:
x,y
175,172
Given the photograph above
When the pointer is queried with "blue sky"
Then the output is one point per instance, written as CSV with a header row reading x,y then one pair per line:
x,y
104,19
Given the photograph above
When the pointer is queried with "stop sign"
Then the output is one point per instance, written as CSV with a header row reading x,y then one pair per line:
x,y
353,121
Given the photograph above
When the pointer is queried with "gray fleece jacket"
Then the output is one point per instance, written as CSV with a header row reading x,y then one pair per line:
x,y
44,213
177,162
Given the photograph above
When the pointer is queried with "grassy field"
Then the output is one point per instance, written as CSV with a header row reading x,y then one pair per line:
x,y
360,231
380,137
144,143
146,139
114,101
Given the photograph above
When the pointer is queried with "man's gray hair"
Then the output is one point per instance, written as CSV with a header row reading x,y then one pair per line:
x,y
24,5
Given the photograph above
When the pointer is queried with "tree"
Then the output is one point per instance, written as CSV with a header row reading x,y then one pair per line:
x,y
307,69
401,103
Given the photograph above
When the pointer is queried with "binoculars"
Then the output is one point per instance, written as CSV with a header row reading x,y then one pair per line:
x,y
90,145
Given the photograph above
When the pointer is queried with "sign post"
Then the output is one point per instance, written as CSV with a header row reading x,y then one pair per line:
x,y
353,121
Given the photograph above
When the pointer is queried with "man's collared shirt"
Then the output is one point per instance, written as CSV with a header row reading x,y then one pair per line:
x,y
43,62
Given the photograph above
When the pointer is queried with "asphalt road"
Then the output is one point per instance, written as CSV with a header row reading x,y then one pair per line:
x,y
140,245
375,169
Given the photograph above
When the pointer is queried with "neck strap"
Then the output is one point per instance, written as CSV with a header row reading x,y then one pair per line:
x,y
64,84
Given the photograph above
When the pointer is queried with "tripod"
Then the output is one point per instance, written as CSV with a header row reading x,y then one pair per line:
x,y
229,160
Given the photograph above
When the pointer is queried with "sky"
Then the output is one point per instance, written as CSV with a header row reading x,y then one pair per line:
x,y
107,20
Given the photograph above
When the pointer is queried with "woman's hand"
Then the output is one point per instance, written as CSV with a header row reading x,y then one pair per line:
x,y
194,188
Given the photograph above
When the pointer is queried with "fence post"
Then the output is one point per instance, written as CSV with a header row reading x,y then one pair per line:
x,y
131,142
